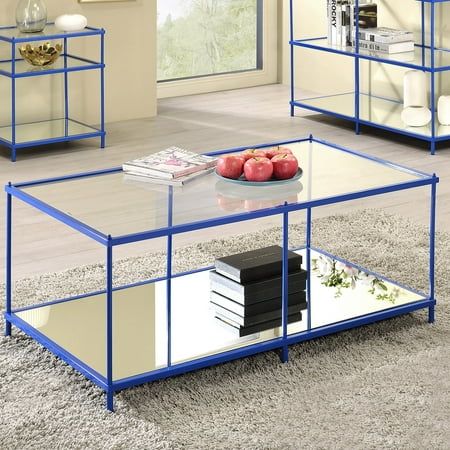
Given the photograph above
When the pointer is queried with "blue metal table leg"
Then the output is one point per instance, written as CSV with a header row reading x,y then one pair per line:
x,y
102,91
291,31
431,310
169,278
13,102
308,266
284,354
8,261
109,326
433,147
433,80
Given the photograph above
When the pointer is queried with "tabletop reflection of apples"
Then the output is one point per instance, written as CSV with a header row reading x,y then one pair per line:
x,y
234,198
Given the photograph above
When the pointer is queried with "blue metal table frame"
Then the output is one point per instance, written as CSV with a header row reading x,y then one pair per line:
x,y
431,68
84,64
280,344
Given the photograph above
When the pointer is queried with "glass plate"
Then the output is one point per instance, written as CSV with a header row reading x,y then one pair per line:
x,y
243,182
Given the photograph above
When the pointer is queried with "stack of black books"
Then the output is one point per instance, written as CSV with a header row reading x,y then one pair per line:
x,y
246,290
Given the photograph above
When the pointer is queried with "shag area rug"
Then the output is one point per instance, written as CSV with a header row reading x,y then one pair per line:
x,y
382,386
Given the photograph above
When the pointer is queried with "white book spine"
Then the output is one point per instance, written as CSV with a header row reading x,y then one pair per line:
x,y
333,18
399,47
351,31
339,23
384,39
329,30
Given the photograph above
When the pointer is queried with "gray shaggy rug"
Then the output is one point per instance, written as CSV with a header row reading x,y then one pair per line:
x,y
382,386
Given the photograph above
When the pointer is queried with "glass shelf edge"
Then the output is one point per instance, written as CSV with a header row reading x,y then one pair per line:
x,y
309,44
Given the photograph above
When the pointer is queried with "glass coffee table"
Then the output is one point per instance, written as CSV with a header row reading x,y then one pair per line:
x,y
126,335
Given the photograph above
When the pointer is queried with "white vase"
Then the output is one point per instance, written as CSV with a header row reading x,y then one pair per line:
x,y
444,110
416,116
415,89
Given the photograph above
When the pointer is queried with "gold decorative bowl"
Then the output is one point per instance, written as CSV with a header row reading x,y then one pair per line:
x,y
40,55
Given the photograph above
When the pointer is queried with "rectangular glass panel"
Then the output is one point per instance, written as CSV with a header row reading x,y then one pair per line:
x,y
23,66
49,31
356,295
206,38
115,205
139,331
417,57
49,129
140,321
373,109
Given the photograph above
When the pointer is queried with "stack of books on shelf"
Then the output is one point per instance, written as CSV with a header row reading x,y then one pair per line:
x,y
173,166
386,40
342,29
246,290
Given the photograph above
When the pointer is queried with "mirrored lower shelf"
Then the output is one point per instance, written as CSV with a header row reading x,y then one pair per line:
x,y
373,111
140,319
36,132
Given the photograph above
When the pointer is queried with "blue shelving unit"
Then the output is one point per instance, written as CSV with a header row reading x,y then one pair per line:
x,y
358,106
17,135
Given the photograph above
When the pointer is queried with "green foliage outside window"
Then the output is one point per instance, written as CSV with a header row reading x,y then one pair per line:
x,y
208,37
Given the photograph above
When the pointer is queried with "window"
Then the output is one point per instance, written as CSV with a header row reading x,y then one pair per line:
x,y
198,38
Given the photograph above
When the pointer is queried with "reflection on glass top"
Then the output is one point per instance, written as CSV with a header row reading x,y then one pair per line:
x,y
49,31
23,66
113,204
140,318
419,57
49,129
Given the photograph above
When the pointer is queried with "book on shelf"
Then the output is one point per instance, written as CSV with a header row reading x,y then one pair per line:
x,y
169,164
397,47
258,291
297,299
135,177
341,16
257,264
247,321
383,35
240,331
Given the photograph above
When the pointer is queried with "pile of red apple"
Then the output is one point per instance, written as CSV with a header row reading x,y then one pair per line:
x,y
274,163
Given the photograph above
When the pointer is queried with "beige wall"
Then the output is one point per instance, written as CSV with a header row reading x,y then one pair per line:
x,y
323,73
130,61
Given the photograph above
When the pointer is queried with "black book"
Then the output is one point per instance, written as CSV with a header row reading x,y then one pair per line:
x,y
247,321
294,299
258,291
257,264
246,331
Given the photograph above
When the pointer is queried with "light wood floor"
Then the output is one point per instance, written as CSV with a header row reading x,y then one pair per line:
x,y
201,123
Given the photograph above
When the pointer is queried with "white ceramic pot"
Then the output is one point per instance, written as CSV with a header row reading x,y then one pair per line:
x,y
415,89
416,116
71,22
444,110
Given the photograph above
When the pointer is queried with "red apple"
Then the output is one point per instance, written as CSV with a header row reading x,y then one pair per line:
x,y
258,169
274,151
230,166
253,153
284,166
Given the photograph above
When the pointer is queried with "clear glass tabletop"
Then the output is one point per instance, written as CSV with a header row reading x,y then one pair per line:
x,y
115,205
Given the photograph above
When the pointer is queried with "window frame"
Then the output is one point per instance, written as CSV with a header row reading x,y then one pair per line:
x,y
265,73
